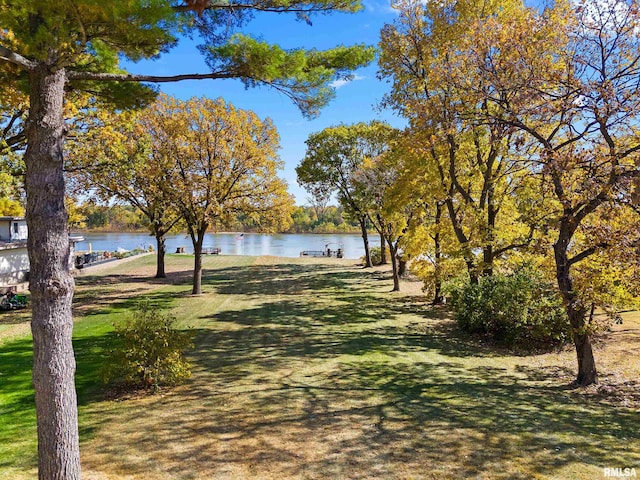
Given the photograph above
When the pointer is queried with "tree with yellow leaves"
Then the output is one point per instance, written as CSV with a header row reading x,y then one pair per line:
x,y
377,180
220,162
109,156
566,79
468,166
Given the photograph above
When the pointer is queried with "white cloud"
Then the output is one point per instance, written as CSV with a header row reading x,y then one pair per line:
x,y
342,82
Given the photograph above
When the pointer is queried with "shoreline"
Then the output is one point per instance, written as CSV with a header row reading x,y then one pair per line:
x,y
209,232
97,266
284,245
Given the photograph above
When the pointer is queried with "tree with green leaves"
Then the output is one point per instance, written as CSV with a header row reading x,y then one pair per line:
x,y
50,48
333,156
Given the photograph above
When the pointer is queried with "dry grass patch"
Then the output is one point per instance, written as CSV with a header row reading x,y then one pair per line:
x,y
313,369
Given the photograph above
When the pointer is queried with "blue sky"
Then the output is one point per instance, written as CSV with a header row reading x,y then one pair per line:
x,y
355,101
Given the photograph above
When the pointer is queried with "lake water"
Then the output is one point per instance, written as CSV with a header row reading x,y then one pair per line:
x,y
280,245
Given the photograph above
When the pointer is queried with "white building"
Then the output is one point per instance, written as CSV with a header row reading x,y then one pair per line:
x,y
13,229
14,259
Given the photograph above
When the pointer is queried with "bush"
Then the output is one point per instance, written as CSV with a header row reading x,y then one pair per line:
x,y
150,350
376,255
519,309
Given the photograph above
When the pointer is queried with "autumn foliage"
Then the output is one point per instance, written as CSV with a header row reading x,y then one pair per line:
x,y
522,144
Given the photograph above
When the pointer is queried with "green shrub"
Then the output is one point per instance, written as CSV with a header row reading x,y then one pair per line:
x,y
150,350
376,255
519,309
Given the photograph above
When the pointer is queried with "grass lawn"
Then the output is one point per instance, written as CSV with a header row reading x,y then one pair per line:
x,y
311,368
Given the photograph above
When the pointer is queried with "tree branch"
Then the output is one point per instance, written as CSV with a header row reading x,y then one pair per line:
x,y
513,246
630,151
130,77
584,254
266,8
15,58
14,118
14,143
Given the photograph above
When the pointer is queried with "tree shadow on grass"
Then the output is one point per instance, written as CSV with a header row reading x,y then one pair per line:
x,y
324,317
97,292
91,354
273,334
368,418
15,317
281,407
500,415
378,414
284,278
94,292
316,387
16,361
96,301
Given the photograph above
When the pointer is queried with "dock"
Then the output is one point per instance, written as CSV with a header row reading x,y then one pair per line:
x,y
327,252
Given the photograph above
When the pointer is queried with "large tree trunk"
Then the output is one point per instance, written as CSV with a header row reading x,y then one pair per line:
x,y
487,249
383,250
365,239
160,242
51,283
467,251
487,260
393,253
576,311
587,372
402,266
438,298
198,240
471,268
197,271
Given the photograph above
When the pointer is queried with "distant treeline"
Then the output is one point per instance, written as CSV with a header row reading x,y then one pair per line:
x,y
321,220
126,218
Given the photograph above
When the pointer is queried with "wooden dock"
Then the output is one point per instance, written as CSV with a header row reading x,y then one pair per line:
x,y
327,252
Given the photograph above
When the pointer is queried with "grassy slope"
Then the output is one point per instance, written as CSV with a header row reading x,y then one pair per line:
x,y
312,369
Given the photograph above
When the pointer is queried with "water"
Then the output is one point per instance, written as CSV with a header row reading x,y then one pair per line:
x,y
280,245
